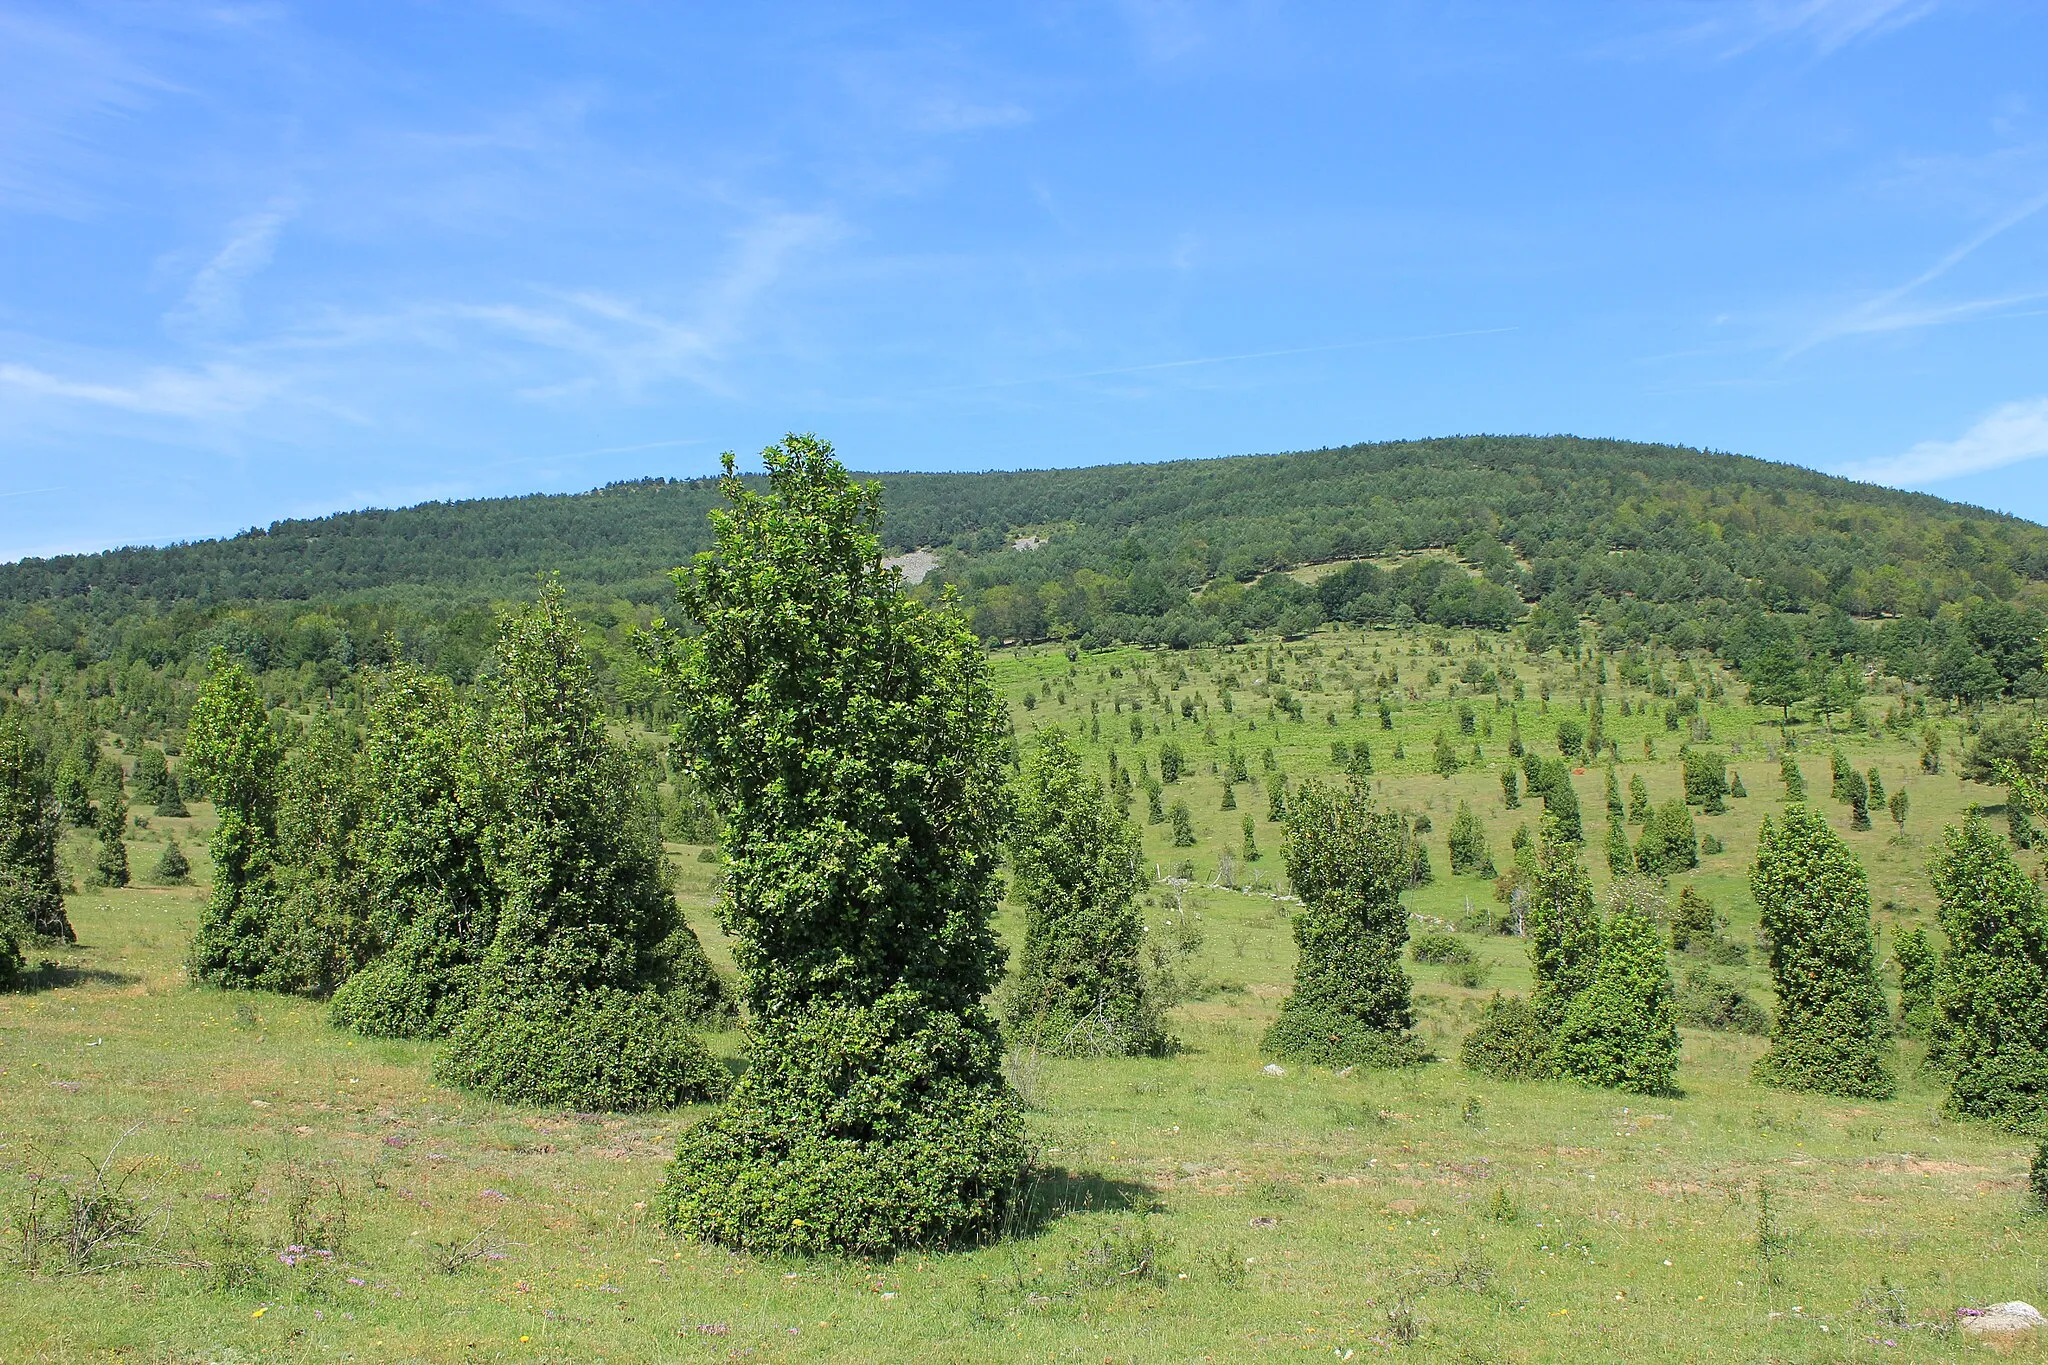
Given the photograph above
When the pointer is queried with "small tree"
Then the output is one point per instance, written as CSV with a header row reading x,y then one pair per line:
x,y
431,807
151,779
1250,851
1564,931
1621,1030
1670,841
29,882
1445,761
1172,762
321,930
1183,822
1919,968
1858,797
110,825
1080,986
1735,787
1831,1029
1706,780
1469,853
1620,858
1616,812
236,757
1347,860
855,741
573,1004
1638,800
1571,737
1899,807
172,867
1794,780
1991,998
1695,924
1561,806
1508,1043
1276,797
1510,789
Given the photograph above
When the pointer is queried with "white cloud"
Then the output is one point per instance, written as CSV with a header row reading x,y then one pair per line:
x,y
2005,436
216,391
213,301
1732,29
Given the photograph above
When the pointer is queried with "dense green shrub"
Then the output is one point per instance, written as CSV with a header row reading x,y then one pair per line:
x,y
1433,947
110,829
1638,800
1621,859
1670,841
2037,1179
854,739
320,930
1350,1004
1564,932
1183,821
1508,1043
1706,780
1470,856
1991,998
172,868
1832,1030
28,839
432,808
572,1003
1079,989
1621,1030
236,756
1694,923
1707,1002
1919,968
1794,780
1735,787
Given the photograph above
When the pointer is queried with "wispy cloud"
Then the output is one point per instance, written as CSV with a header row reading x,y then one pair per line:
x,y
213,392
1732,29
1881,314
2005,436
60,91
213,301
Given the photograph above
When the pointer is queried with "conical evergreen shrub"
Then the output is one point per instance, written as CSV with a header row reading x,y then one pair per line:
x,y
110,827
859,749
1621,1030
1991,998
1470,856
1348,861
172,867
572,1004
1075,864
1564,932
1670,841
29,881
1919,968
236,756
320,897
432,806
1831,1032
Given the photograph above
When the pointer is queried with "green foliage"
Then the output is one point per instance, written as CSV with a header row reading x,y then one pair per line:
x,y
858,748
1621,860
1444,759
319,894
1470,856
1695,924
1621,1030
151,780
1638,800
1183,821
1991,998
1571,737
1348,861
110,827
172,867
1172,762
1564,932
1433,947
1735,787
1670,842
1510,789
573,1002
30,887
236,757
1707,1002
1793,778
1509,1043
2037,1179
1919,968
432,807
1079,989
1832,1031
1706,780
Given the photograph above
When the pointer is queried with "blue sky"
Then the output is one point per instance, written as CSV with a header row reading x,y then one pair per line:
x,y
263,260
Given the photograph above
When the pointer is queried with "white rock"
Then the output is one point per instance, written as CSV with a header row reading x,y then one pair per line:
x,y
1275,1069
2003,1319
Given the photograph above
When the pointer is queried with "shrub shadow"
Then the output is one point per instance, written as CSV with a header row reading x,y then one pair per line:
x,y
48,976
1047,1194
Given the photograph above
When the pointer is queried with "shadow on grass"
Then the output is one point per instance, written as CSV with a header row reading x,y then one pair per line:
x,y
1050,1193
49,976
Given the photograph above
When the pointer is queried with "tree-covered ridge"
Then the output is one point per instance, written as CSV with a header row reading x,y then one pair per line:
x,y
1544,516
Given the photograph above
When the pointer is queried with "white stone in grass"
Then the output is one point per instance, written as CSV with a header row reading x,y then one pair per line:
x,y
1275,1069
2002,1319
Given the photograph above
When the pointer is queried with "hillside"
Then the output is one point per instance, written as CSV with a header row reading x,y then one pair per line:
x,y
1647,541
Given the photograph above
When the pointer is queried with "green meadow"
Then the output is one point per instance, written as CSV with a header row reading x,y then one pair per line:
x,y
306,1195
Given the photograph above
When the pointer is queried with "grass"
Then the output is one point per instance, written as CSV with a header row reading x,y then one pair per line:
x,y
1191,1207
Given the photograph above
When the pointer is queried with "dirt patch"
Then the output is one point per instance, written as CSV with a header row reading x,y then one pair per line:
x,y
917,566
1913,1165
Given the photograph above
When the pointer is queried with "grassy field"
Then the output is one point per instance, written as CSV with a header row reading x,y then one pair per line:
x,y
1192,1207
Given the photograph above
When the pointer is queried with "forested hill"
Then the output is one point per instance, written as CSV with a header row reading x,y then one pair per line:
x,y
1542,530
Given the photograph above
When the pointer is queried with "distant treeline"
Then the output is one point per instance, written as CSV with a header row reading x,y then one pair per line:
x,y
1572,542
